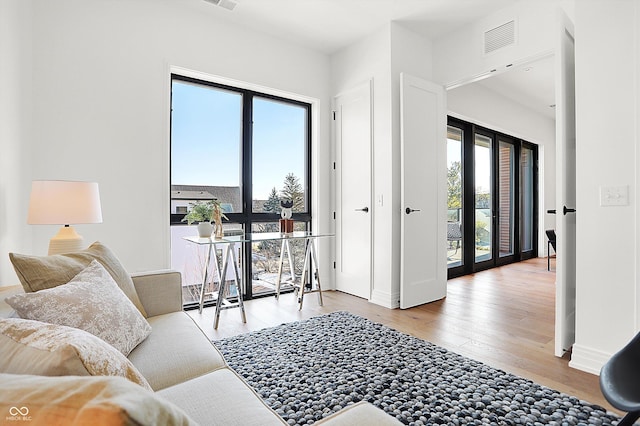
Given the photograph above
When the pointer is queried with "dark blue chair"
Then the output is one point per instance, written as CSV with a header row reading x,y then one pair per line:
x,y
551,235
620,381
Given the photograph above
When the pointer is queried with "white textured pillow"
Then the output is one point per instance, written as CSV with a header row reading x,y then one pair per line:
x,y
92,302
34,347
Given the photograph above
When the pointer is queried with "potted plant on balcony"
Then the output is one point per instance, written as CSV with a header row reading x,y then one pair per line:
x,y
205,212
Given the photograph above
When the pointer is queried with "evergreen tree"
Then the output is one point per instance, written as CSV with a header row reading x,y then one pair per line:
x,y
272,205
292,190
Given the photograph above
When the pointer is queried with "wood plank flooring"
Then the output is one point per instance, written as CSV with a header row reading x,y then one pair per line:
x,y
503,317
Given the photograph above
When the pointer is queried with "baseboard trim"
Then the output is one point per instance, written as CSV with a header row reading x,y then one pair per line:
x,y
588,359
386,299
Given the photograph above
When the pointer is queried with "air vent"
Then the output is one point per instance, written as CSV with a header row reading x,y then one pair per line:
x,y
226,4
499,37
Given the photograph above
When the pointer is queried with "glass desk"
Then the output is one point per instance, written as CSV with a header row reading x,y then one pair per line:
x,y
228,246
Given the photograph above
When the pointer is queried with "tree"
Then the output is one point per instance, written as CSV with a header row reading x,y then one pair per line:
x,y
483,199
272,205
454,188
292,190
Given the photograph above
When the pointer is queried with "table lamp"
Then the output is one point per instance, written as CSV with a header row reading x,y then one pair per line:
x,y
58,202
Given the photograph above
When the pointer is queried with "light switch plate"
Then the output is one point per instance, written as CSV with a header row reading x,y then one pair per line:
x,y
614,195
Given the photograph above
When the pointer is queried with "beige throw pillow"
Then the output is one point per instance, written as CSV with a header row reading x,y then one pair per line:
x,y
42,272
95,401
91,301
33,347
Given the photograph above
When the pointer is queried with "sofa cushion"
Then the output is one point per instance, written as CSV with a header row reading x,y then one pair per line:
x,y
42,272
223,398
361,413
177,350
92,302
96,401
33,347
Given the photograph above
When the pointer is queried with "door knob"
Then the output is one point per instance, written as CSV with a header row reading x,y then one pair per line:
x,y
565,210
410,210
364,209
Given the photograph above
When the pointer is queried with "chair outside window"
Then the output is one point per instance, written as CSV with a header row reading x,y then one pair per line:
x,y
551,235
454,236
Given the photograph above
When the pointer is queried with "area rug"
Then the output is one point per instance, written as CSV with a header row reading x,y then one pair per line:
x,y
310,369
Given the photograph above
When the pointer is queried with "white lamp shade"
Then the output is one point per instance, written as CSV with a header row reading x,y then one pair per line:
x,y
58,202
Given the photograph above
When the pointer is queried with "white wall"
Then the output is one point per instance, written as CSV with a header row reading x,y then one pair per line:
x,y
15,120
101,107
475,103
607,77
460,55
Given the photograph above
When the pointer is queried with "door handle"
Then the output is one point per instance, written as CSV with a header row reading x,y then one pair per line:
x,y
410,210
553,211
364,209
565,210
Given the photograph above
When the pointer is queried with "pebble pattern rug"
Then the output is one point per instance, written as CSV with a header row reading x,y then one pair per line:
x,y
309,369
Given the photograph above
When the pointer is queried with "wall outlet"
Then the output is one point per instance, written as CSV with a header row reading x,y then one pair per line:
x,y
614,195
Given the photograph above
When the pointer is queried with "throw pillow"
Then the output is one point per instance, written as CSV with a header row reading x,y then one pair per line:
x,y
91,301
42,272
33,347
96,401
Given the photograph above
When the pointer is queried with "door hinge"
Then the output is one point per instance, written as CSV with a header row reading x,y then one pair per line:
x,y
334,265
334,165
334,115
334,215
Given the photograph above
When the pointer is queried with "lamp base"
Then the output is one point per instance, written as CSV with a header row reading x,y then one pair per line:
x,y
65,241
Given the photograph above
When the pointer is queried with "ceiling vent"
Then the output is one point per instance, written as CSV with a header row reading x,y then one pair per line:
x,y
226,4
499,37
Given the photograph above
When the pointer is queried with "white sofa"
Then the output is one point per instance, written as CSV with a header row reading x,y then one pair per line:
x,y
191,381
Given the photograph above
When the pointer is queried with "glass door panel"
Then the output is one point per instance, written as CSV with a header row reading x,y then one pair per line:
x,y
506,192
454,197
492,193
527,198
483,198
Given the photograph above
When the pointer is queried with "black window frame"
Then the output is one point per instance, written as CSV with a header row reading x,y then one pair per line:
x,y
469,264
248,217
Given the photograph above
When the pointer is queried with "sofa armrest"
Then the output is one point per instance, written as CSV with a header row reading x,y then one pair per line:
x,y
160,292
361,413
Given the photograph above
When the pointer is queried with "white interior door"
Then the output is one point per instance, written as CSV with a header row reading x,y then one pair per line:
x,y
423,255
353,191
565,188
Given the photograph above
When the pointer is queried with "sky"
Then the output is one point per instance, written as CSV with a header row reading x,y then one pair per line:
x,y
206,127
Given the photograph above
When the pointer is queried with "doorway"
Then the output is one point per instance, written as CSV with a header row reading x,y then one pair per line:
x,y
492,199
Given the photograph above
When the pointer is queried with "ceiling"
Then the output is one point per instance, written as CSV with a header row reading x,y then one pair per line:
x,y
330,25
530,84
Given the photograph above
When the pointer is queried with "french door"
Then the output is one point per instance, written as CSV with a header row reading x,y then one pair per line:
x,y
492,198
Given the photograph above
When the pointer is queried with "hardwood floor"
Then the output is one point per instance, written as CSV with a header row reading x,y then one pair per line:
x,y
503,317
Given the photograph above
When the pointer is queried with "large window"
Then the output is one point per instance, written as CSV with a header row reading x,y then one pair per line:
x,y
249,151
493,197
